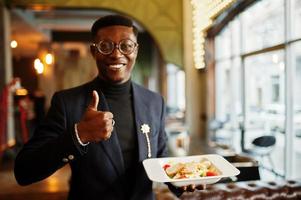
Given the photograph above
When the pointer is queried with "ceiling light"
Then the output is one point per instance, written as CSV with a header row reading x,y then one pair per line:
x,y
38,65
49,58
13,44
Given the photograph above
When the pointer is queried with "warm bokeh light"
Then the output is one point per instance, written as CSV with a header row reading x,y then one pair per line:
x,y
49,58
21,92
38,65
204,12
13,44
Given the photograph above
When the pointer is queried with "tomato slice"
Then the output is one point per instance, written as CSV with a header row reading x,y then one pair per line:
x,y
210,173
166,166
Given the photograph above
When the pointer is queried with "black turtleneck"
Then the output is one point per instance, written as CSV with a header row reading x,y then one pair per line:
x,y
119,99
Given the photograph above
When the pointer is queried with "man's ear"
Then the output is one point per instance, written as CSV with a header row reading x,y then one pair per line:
x,y
92,50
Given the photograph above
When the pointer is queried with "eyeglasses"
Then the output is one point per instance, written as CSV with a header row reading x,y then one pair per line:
x,y
125,46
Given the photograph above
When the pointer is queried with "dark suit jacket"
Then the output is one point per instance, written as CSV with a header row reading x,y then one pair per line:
x,y
97,169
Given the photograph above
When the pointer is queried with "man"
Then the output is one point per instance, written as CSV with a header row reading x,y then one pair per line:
x,y
104,129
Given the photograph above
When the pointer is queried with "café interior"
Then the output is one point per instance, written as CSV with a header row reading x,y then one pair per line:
x,y
229,72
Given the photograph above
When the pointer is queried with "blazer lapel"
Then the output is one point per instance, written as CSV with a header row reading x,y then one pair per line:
x,y
141,118
110,146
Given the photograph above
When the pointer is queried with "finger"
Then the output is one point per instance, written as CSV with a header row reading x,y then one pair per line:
x,y
95,100
184,188
109,123
107,136
191,188
201,187
108,115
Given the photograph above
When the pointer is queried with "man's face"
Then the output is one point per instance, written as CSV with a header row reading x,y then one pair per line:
x,y
115,67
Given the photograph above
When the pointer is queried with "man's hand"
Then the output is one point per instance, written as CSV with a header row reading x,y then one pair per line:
x,y
192,188
95,125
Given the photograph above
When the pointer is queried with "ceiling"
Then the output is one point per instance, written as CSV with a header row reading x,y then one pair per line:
x,y
33,28
163,20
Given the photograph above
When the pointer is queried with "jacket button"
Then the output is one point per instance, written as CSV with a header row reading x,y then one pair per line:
x,y
65,160
71,157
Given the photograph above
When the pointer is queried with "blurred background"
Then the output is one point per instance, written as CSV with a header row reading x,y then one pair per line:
x,y
229,71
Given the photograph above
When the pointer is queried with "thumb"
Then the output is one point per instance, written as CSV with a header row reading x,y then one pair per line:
x,y
95,100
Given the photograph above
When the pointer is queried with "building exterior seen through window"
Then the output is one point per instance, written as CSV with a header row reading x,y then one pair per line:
x,y
175,87
258,78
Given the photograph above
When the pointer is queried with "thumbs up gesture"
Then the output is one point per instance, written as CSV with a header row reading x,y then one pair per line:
x,y
95,125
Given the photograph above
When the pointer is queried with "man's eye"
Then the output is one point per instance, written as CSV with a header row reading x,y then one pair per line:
x,y
126,46
105,46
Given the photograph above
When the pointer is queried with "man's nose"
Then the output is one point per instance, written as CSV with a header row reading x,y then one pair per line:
x,y
116,52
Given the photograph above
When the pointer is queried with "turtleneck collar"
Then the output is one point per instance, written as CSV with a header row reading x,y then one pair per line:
x,y
114,89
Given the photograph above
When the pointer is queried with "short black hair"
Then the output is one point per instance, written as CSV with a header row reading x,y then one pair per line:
x,y
112,20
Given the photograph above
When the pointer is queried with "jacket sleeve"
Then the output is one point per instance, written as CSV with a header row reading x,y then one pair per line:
x,y
51,147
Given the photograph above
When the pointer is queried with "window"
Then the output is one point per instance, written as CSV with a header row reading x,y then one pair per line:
x,y
228,85
295,19
223,44
263,25
223,98
257,97
296,64
275,88
175,89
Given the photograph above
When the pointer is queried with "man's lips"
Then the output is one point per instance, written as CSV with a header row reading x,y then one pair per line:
x,y
116,66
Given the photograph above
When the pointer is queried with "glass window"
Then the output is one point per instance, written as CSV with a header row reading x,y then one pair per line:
x,y
223,44
295,16
236,33
236,103
175,88
236,81
296,63
228,101
275,81
263,25
223,94
265,108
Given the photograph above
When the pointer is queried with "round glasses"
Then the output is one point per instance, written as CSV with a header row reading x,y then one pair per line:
x,y
125,46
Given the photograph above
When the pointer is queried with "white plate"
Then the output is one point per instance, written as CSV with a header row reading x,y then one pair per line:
x,y
155,171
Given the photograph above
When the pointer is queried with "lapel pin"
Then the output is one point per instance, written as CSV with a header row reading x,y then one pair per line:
x,y
146,130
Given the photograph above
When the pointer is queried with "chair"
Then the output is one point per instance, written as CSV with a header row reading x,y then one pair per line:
x,y
263,146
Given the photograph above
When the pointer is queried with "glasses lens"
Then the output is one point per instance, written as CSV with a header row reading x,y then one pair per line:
x,y
106,47
127,46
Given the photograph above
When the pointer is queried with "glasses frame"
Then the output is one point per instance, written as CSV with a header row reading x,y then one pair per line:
x,y
116,46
